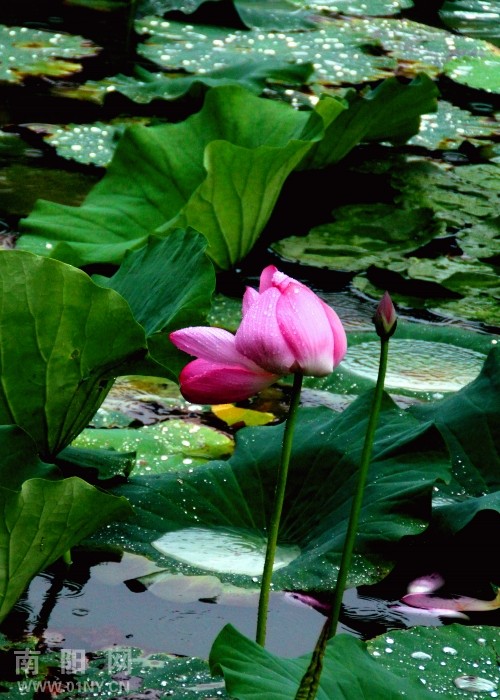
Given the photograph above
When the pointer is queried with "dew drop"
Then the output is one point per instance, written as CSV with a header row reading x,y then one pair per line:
x,y
473,684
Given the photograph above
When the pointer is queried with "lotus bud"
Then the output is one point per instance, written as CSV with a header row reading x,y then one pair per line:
x,y
385,318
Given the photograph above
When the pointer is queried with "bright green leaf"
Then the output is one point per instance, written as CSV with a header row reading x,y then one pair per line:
x,y
41,522
349,672
64,341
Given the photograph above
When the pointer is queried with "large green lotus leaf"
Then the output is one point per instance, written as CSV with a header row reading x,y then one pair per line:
x,y
171,446
426,361
144,87
214,518
95,465
122,211
349,672
452,662
181,280
360,236
33,52
390,112
41,522
343,52
450,126
64,341
476,18
470,424
233,204
19,459
476,72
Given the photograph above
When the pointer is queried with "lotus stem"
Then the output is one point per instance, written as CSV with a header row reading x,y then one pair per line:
x,y
310,682
279,497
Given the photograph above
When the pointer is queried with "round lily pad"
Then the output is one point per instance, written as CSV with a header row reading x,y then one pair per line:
x,y
482,73
375,8
34,52
476,18
360,236
450,126
86,143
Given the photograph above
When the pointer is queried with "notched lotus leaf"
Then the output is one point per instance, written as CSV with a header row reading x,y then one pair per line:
x,y
33,52
144,87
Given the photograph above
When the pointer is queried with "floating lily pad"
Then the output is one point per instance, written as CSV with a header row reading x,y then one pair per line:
x,y
170,446
454,661
86,143
139,401
144,87
334,50
375,8
476,18
360,236
32,52
450,126
343,52
480,73
417,363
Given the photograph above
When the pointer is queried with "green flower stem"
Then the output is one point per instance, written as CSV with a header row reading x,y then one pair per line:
x,y
279,497
357,502
310,682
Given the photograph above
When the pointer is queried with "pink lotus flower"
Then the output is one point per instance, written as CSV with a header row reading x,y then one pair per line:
x,y
285,329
